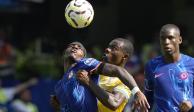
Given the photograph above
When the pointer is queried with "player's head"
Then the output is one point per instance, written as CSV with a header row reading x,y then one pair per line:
x,y
119,51
25,95
170,39
75,51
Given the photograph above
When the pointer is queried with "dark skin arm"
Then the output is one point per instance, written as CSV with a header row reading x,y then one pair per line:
x,y
116,71
25,85
55,103
111,100
127,79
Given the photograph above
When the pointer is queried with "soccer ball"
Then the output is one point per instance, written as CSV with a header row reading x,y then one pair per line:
x,y
79,13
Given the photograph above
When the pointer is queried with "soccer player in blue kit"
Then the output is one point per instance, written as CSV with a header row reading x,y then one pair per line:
x,y
75,97
169,78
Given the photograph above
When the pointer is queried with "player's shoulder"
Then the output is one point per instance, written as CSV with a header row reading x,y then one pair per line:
x,y
187,58
154,61
89,61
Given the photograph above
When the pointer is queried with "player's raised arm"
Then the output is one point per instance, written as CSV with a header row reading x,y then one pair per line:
x,y
127,79
116,71
110,100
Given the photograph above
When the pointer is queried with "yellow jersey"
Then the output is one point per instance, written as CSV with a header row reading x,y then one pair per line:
x,y
111,84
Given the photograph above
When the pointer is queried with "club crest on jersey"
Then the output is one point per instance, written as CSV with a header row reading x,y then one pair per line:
x,y
89,61
183,75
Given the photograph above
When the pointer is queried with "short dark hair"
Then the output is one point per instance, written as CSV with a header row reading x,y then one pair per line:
x,y
127,46
165,28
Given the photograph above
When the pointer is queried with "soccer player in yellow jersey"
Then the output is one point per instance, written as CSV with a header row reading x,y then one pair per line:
x,y
112,92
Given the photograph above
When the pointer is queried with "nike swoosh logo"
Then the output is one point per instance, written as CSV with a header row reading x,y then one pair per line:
x,y
158,75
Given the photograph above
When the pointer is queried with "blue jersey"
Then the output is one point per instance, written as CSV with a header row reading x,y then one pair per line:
x,y
168,84
73,96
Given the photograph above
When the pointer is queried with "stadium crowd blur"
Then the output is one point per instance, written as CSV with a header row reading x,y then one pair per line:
x,y
33,34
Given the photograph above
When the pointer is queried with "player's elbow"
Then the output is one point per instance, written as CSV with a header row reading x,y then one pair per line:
x,y
114,104
119,71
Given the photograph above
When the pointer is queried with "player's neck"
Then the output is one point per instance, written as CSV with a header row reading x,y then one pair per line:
x,y
25,101
122,65
71,60
175,57
69,63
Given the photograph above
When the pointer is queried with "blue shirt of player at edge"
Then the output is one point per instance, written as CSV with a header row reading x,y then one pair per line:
x,y
166,85
73,96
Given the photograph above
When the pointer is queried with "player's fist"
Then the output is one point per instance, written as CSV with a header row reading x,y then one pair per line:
x,y
83,77
185,106
33,81
54,102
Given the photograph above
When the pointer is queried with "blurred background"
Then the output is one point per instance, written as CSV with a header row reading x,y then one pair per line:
x,y
33,34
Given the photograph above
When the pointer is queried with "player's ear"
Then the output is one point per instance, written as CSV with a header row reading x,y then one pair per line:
x,y
125,57
180,39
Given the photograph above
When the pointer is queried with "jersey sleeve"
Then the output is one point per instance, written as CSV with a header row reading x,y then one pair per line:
x,y
10,92
89,64
121,88
149,84
192,98
18,106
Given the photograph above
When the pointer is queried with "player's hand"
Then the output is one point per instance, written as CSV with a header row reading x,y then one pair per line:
x,y
54,102
33,81
140,102
83,77
185,106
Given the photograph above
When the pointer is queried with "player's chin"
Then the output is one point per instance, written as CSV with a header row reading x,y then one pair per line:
x,y
111,62
104,58
71,57
107,59
169,52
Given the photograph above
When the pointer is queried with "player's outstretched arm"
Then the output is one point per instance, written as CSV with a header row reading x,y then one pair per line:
x,y
116,71
55,103
127,79
25,85
110,100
